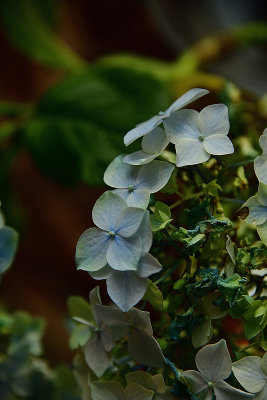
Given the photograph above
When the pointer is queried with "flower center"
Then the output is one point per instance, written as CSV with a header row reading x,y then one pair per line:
x,y
131,188
201,137
112,234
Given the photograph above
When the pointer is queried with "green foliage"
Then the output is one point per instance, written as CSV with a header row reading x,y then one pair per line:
x,y
154,296
161,217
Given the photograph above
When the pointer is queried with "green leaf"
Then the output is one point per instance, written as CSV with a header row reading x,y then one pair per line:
x,y
162,212
154,296
171,187
255,319
212,188
79,308
78,126
25,23
79,336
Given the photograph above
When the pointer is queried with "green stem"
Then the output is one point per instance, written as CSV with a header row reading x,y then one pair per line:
x,y
238,201
241,163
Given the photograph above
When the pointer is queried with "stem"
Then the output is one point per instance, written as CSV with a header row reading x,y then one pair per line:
x,y
241,163
189,197
166,275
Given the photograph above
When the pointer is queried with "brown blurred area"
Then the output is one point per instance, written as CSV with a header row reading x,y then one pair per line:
x,y
44,272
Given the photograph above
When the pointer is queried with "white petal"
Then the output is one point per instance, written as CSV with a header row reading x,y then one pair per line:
x,y
91,250
113,316
262,194
143,379
95,356
124,253
223,391
107,338
187,98
214,119
260,166
263,141
136,198
196,381
102,273
142,129
148,265
119,174
218,144
126,288
145,349
182,124
264,364
145,232
107,391
262,395
136,392
129,221
257,212
141,320
190,152
107,209
202,333
139,158
249,374
214,361
154,176
155,141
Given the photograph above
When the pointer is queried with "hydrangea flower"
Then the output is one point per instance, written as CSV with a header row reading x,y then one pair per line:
x,y
115,241
198,135
145,127
260,163
115,391
134,184
251,373
257,211
214,364
127,288
153,144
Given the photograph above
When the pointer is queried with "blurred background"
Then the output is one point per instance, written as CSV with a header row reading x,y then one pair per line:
x,y
75,76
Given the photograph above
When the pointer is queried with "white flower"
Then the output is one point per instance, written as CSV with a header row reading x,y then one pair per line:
x,y
116,242
134,184
251,373
114,391
257,206
153,145
198,135
147,126
215,365
260,163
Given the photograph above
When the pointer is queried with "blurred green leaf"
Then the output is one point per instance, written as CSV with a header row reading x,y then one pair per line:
x,y
27,24
154,296
79,307
78,126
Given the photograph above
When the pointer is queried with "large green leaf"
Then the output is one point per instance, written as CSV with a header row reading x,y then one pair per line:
x,y
27,24
78,126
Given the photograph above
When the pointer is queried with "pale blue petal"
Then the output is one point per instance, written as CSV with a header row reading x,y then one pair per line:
x,y
8,247
190,152
223,391
124,253
187,98
262,194
126,288
262,395
257,212
107,210
154,176
119,174
91,250
214,119
218,144
129,221
263,142
107,391
102,273
155,141
182,124
95,355
145,233
139,158
136,198
142,129
196,381
249,374
260,166
148,265
214,361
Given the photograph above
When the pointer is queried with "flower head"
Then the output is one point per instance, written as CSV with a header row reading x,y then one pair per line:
x,y
260,163
198,135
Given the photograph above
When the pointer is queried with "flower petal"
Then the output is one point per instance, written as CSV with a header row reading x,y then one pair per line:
x,y
218,144
107,391
142,129
262,395
126,288
260,166
8,247
129,221
102,273
154,176
95,356
141,378
148,265
145,232
137,392
155,141
190,152
187,98
264,364
124,253
262,194
249,374
263,142
139,158
119,174
257,212
91,250
113,316
107,209
136,198
182,124
214,119
196,381
223,391
141,319
94,298
214,361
